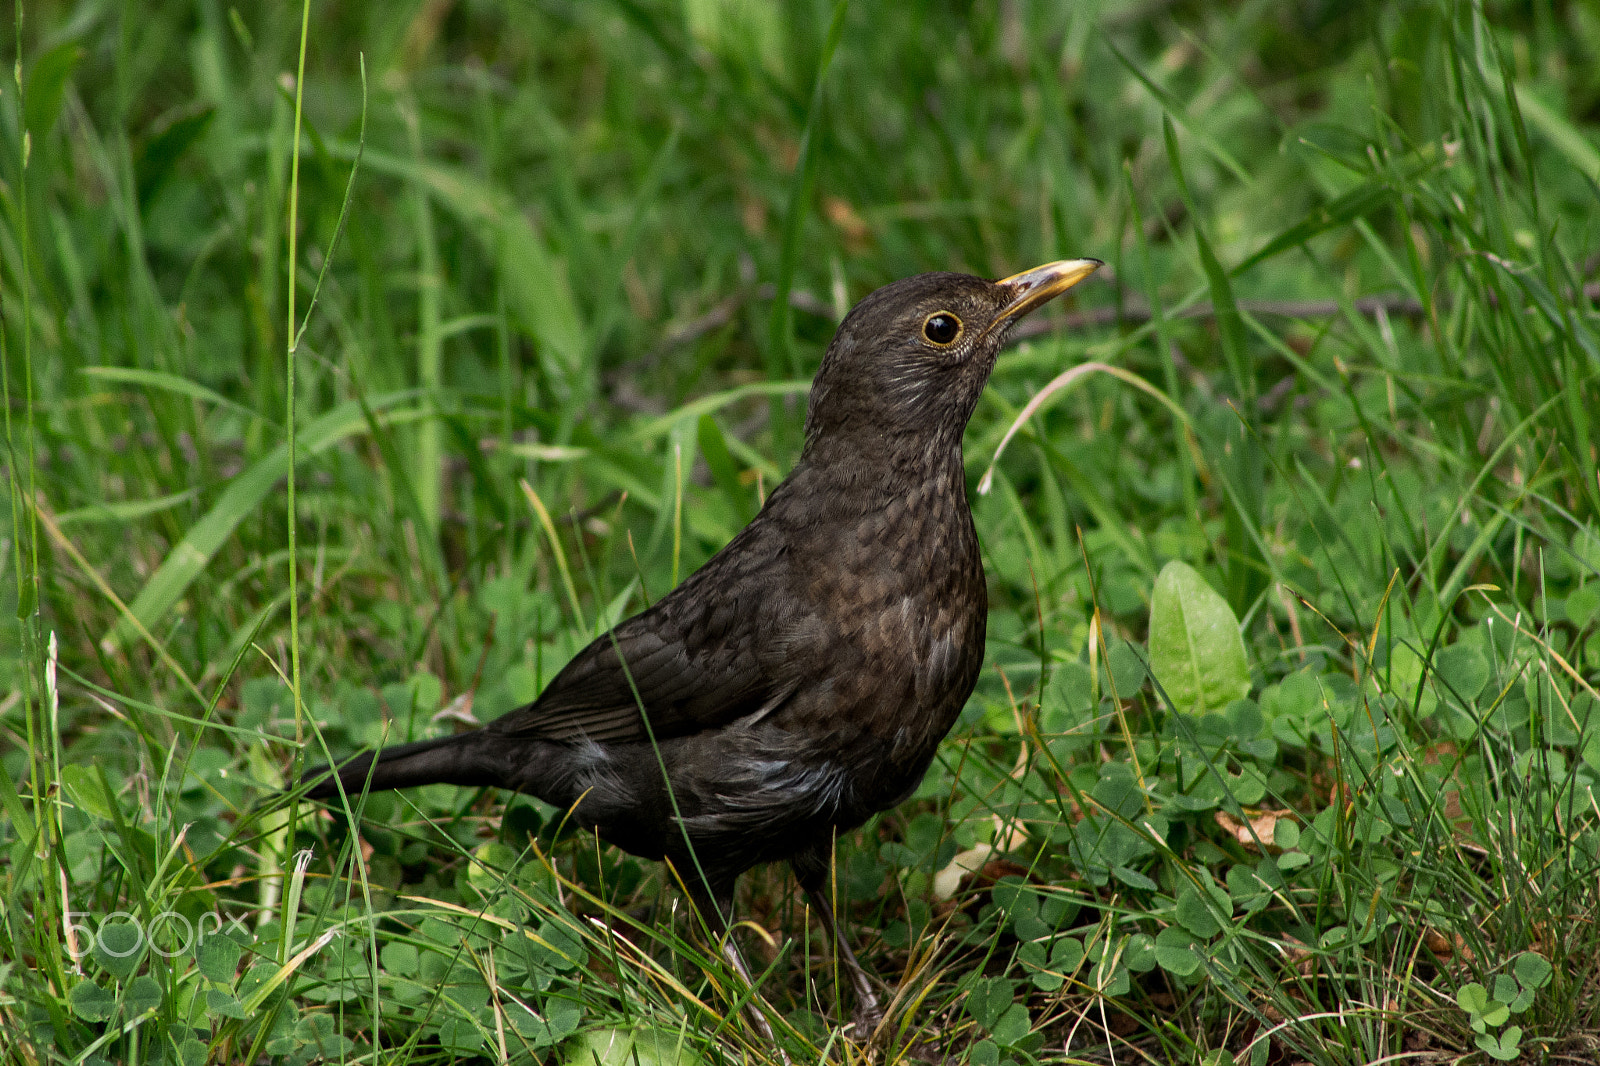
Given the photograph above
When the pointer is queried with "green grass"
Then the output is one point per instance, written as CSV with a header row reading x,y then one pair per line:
x,y
593,253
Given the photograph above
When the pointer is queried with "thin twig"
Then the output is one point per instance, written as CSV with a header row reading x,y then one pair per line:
x,y
1138,313
722,313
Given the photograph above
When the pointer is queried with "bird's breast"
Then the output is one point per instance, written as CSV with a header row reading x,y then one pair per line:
x,y
896,609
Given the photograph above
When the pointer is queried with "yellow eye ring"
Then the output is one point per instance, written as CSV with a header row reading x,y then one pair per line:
x,y
942,328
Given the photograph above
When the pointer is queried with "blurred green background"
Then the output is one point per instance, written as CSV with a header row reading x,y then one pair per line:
x,y
591,255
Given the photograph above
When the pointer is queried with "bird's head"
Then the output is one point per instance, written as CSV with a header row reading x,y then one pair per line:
x,y
908,362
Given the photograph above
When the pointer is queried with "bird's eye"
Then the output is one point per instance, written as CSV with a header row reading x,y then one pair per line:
x,y
942,328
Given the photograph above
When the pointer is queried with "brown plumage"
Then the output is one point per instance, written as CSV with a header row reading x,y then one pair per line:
x,y
803,678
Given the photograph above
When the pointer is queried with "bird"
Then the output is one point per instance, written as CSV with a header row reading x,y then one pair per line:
x,y
802,679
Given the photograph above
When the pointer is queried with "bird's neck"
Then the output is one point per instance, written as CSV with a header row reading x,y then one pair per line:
x,y
841,481
886,460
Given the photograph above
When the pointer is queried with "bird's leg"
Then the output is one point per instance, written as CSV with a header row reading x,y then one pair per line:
x,y
730,951
716,910
811,870
868,1014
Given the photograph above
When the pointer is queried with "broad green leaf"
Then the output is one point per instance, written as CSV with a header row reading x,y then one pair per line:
x,y
1532,969
219,958
119,947
1139,955
1197,910
1586,547
1503,1048
219,1002
1463,669
1133,878
1034,957
83,787
488,872
1175,951
1583,604
1066,954
631,1047
1012,1025
1051,967
1474,999
562,1017
1127,668
1196,652
1405,670
399,958
989,999
321,1032
282,1040
984,1053
91,1002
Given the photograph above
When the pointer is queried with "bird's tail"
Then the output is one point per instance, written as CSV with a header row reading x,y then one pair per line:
x,y
469,759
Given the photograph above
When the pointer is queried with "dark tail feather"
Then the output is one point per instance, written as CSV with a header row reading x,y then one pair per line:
x,y
467,760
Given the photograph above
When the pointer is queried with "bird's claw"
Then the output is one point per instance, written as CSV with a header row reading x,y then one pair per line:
x,y
865,1021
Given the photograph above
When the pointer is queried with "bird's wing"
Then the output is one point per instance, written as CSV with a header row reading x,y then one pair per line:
x,y
693,662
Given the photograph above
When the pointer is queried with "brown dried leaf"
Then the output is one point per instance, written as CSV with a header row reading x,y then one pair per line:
x,y
1445,945
1262,827
857,233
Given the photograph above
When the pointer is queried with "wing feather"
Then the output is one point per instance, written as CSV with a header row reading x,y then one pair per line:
x,y
693,661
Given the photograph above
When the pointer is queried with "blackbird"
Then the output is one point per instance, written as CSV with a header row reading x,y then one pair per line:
x,y
802,679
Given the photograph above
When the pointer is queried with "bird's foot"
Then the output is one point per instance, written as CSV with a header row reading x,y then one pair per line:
x,y
865,1021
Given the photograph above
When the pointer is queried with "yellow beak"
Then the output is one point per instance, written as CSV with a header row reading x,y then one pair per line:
x,y
1031,288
